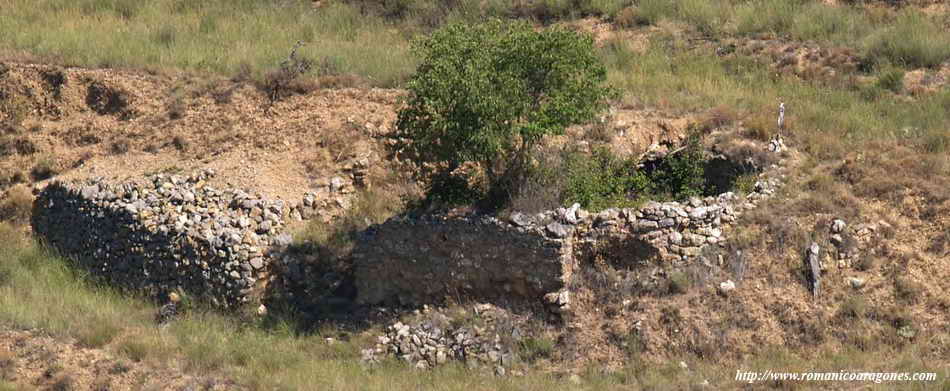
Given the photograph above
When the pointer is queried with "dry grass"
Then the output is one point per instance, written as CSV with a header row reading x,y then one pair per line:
x,y
216,36
45,168
16,205
7,365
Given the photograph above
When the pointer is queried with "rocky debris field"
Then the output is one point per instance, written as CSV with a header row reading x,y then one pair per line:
x,y
489,337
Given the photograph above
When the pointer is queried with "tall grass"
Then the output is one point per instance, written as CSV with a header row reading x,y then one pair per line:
x,y
213,36
708,17
681,79
913,40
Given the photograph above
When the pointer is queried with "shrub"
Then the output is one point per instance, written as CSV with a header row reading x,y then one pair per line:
x,y
278,84
44,169
855,307
119,146
17,205
678,283
105,100
907,290
601,180
681,174
891,79
488,93
14,108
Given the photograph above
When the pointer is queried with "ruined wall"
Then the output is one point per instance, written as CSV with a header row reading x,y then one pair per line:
x,y
419,260
166,234
529,257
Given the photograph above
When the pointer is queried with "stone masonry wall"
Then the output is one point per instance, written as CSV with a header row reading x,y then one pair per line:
x,y
171,233
527,257
417,260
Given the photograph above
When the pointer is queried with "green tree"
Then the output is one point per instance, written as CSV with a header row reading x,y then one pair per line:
x,y
487,94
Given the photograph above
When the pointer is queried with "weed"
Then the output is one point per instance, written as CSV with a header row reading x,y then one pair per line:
x,y
718,117
7,365
865,262
176,108
10,145
678,283
907,289
98,334
628,17
180,143
535,348
55,79
854,307
891,79
600,180
745,184
63,382
45,168
105,100
119,146
633,343
135,350
14,107
277,84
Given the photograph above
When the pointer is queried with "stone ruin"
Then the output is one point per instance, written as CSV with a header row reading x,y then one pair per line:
x,y
172,233
524,258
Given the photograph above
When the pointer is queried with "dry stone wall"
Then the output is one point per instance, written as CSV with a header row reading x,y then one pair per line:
x,y
166,234
411,261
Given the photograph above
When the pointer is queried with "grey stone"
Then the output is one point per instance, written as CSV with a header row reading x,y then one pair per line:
x,y
676,238
520,219
856,283
647,225
557,230
257,263
336,184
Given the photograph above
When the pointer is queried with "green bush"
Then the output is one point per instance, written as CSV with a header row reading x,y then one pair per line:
x,y
891,79
601,180
488,93
681,175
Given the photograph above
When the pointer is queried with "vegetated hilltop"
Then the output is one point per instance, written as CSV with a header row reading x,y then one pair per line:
x,y
868,110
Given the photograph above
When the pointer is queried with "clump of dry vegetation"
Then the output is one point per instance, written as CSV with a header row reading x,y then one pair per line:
x,y
16,205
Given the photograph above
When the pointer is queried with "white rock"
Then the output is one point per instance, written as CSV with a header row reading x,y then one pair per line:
x,y
838,225
727,286
855,282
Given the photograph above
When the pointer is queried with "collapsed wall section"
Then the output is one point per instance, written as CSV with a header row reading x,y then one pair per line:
x,y
171,233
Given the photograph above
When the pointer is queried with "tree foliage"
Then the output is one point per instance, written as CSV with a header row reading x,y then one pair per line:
x,y
488,93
